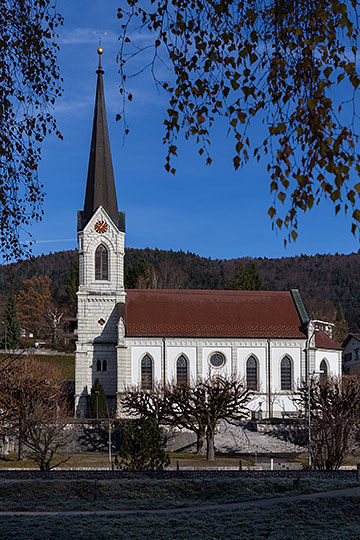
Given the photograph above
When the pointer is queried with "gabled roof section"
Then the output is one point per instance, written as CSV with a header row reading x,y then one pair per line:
x,y
202,313
350,336
322,341
100,185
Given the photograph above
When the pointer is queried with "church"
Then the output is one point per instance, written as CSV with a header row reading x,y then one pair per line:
x,y
143,336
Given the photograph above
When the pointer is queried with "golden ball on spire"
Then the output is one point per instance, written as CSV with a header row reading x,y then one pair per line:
x,y
100,50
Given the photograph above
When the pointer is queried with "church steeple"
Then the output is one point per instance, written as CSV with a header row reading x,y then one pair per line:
x,y
100,186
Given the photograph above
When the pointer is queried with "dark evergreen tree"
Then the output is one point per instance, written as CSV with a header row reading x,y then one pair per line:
x,y
341,329
143,447
246,278
72,285
137,275
97,400
11,323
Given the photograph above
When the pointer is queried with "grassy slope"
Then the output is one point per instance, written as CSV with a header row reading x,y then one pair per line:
x,y
304,520
66,364
39,495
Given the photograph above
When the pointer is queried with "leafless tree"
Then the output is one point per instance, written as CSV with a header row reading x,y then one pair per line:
x,y
335,414
198,407
45,433
33,405
54,320
136,401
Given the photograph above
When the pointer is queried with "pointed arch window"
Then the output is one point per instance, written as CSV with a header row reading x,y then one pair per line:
x,y
252,378
146,372
101,263
324,369
182,371
104,366
98,365
286,373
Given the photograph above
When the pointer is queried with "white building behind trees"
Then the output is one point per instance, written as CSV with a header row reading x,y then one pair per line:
x,y
140,336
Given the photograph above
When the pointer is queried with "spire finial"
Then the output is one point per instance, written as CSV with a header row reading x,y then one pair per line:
x,y
100,51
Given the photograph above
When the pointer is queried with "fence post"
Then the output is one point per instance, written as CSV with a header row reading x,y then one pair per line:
x,y
177,465
358,472
271,464
240,465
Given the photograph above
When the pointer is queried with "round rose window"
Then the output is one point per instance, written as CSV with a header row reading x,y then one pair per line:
x,y
217,360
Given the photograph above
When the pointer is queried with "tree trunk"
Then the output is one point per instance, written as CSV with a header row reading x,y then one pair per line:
x,y
210,449
20,439
20,449
200,443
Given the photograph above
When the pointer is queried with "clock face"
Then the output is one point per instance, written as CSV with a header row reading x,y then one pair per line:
x,y
101,226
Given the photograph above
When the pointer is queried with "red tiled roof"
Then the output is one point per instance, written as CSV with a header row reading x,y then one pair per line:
x,y
322,341
200,313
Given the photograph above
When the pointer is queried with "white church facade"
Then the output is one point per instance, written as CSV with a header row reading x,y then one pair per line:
x,y
143,336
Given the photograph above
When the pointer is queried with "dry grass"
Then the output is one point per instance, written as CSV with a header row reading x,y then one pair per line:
x,y
146,493
192,460
100,459
66,364
302,520
81,459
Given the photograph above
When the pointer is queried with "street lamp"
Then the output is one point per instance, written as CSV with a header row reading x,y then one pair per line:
x,y
318,372
309,374
5,332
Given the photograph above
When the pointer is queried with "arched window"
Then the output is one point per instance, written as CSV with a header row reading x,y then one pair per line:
x,y
104,365
252,373
286,375
101,263
182,371
98,365
324,369
146,372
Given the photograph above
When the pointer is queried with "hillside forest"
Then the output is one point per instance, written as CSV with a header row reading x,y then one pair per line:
x,y
329,284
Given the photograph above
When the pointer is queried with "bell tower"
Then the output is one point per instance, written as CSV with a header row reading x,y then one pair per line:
x,y
101,295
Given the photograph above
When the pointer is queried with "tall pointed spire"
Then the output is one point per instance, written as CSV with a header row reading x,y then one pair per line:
x,y
100,186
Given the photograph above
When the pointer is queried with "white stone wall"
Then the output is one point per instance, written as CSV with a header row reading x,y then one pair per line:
x,y
236,352
332,359
89,240
98,311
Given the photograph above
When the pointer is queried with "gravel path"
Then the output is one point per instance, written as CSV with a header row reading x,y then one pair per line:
x,y
348,492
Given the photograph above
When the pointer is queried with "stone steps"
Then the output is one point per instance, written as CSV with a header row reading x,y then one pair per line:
x,y
239,439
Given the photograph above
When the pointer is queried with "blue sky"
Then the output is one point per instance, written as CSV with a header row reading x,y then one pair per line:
x,y
213,211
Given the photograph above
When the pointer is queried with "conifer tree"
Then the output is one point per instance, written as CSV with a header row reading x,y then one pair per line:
x,y
341,329
143,447
246,278
72,285
139,275
97,400
11,323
